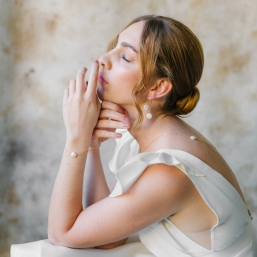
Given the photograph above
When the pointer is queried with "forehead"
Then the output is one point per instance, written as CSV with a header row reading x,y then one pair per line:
x,y
132,34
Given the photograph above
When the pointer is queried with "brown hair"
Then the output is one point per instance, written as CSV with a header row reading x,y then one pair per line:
x,y
169,49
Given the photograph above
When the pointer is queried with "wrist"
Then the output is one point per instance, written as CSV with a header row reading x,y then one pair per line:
x,y
75,154
79,137
77,145
95,143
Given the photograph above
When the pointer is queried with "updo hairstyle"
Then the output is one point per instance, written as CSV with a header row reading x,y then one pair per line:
x,y
169,49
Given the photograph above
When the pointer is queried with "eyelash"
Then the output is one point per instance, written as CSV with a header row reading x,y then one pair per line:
x,y
124,58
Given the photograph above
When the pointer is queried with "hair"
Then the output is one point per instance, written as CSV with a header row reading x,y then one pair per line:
x,y
168,49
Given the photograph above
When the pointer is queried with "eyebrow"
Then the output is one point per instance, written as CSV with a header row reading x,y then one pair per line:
x,y
125,44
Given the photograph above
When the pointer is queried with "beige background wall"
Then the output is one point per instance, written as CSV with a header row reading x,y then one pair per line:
x,y
43,43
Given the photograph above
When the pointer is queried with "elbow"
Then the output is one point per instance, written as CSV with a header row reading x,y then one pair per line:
x,y
55,236
61,240
56,241
52,236
53,239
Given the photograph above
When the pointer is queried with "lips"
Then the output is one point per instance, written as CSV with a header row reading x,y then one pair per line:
x,y
101,79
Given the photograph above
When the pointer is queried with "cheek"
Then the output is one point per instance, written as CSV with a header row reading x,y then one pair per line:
x,y
128,79
121,83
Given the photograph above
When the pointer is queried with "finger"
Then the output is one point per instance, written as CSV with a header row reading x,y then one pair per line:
x,y
112,124
110,114
80,88
86,85
106,134
65,96
112,106
93,78
72,88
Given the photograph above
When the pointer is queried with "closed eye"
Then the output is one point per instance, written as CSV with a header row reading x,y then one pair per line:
x,y
124,58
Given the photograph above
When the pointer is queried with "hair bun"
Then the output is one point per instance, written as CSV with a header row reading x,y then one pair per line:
x,y
187,104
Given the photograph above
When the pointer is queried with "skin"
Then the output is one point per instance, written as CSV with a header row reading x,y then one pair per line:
x,y
161,191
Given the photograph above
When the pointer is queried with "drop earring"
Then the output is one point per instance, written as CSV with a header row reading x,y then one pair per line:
x,y
147,107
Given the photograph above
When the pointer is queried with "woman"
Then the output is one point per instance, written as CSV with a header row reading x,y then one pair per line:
x,y
173,187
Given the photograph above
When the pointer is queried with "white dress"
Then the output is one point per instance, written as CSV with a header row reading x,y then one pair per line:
x,y
232,236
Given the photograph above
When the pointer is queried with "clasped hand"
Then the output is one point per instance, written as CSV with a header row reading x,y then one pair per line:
x,y
81,106
83,114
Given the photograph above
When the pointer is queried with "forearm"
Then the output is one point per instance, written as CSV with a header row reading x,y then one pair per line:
x,y
66,199
81,110
95,185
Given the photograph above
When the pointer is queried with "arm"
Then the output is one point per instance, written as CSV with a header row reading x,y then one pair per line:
x,y
95,187
81,111
111,117
159,192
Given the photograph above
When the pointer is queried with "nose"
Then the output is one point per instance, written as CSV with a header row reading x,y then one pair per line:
x,y
105,61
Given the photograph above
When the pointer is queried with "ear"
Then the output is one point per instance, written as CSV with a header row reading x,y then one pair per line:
x,y
160,88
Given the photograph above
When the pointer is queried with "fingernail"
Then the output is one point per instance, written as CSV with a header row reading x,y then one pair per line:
x,y
126,118
96,61
118,135
126,125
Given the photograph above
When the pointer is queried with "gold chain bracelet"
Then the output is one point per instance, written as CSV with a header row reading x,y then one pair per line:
x,y
75,154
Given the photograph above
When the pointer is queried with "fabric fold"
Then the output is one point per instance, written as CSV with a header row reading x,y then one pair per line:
x,y
135,166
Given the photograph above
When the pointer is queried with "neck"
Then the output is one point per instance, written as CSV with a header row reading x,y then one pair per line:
x,y
148,130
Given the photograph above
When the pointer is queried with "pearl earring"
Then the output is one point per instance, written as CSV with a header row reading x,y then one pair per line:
x,y
148,108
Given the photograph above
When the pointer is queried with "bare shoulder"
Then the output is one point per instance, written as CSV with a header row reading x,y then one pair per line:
x,y
201,148
164,183
167,175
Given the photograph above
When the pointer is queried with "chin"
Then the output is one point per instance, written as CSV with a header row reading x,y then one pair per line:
x,y
102,95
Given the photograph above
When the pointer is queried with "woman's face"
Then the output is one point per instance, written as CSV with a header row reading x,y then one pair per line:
x,y
121,69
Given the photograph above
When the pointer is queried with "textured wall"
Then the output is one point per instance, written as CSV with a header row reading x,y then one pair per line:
x,y
43,43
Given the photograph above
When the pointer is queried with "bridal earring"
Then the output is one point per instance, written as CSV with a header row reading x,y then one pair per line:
x,y
147,107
